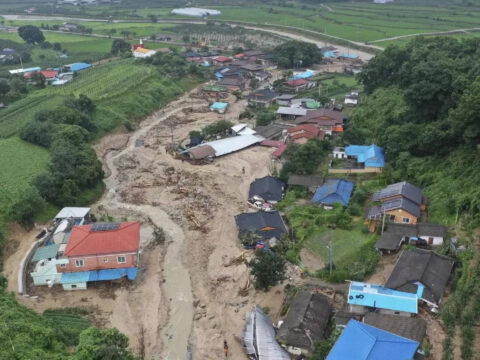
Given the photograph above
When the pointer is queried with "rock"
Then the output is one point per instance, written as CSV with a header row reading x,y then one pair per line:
x,y
197,316
203,306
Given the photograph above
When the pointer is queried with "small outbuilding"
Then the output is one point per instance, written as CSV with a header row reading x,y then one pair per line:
x,y
267,189
219,107
334,191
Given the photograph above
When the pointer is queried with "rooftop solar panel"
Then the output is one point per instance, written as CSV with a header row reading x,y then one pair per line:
x,y
104,226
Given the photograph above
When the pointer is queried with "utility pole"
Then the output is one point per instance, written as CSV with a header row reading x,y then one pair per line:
x,y
383,221
329,247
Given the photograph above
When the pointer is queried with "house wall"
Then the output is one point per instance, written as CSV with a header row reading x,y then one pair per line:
x,y
339,155
75,286
98,262
400,214
392,312
43,279
435,240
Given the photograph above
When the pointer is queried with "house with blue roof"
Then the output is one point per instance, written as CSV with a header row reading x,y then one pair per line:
x,y
360,341
333,191
359,159
363,296
219,107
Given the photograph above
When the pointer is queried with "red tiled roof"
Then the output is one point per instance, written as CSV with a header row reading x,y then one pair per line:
x,y
272,143
280,150
223,59
305,127
303,135
49,74
239,56
295,83
85,242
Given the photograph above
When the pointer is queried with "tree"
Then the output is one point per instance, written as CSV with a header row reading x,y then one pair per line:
x,y
108,344
27,206
38,79
57,46
153,18
294,54
4,87
268,269
120,46
31,34
83,104
38,133
265,118
186,38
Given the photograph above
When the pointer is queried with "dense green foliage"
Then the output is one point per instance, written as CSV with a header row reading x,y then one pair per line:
x,y
423,109
296,54
304,159
219,128
268,269
120,46
68,323
31,34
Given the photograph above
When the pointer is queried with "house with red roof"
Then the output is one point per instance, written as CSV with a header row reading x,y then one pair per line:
x,y
329,121
302,133
223,59
101,246
48,74
300,84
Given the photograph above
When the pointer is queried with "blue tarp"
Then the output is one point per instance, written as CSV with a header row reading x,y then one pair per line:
x,y
218,106
304,75
329,54
376,296
370,155
333,191
219,75
79,66
99,275
364,342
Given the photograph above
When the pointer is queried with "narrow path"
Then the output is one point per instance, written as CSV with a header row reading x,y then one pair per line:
x,y
449,32
327,7
178,288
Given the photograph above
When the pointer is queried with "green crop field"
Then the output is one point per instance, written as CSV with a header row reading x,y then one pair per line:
x,y
20,163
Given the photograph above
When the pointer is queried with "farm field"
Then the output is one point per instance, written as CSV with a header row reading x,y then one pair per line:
x,y
24,162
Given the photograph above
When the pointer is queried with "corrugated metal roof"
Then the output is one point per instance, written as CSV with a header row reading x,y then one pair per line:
x,y
99,275
377,296
334,190
364,342
45,252
370,155
291,111
75,277
74,212
267,347
232,144
218,106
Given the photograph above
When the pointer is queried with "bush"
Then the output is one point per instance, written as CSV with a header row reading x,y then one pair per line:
x,y
219,128
38,133
268,269
26,207
265,118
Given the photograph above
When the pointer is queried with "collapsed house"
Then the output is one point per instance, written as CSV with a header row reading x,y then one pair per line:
x,y
305,323
413,328
311,182
265,192
222,147
259,338
269,226
422,272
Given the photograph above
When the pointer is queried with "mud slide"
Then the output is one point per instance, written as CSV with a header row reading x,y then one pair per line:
x,y
177,283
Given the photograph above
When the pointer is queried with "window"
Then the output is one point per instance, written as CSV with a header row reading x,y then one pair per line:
x,y
105,260
406,220
74,286
63,265
79,263
121,259
392,217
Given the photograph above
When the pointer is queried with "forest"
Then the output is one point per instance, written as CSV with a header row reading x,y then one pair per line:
x,y
422,107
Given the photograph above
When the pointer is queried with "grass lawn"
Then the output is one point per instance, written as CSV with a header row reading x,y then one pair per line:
x,y
345,243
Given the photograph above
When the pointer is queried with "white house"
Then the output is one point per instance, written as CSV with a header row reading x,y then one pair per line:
x,y
339,153
142,53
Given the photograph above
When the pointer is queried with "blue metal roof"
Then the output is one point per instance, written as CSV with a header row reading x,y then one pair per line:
x,y
382,298
334,190
79,66
371,155
329,54
218,106
364,342
99,275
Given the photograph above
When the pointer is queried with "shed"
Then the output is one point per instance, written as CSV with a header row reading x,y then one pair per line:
x,y
46,252
77,213
333,191
78,66
219,107
201,152
306,321
308,181
364,342
225,146
371,155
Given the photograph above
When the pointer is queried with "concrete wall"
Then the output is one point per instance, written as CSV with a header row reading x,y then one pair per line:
x,y
355,171
22,271
75,286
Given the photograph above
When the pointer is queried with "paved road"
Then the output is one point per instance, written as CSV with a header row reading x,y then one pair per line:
x,y
291,32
